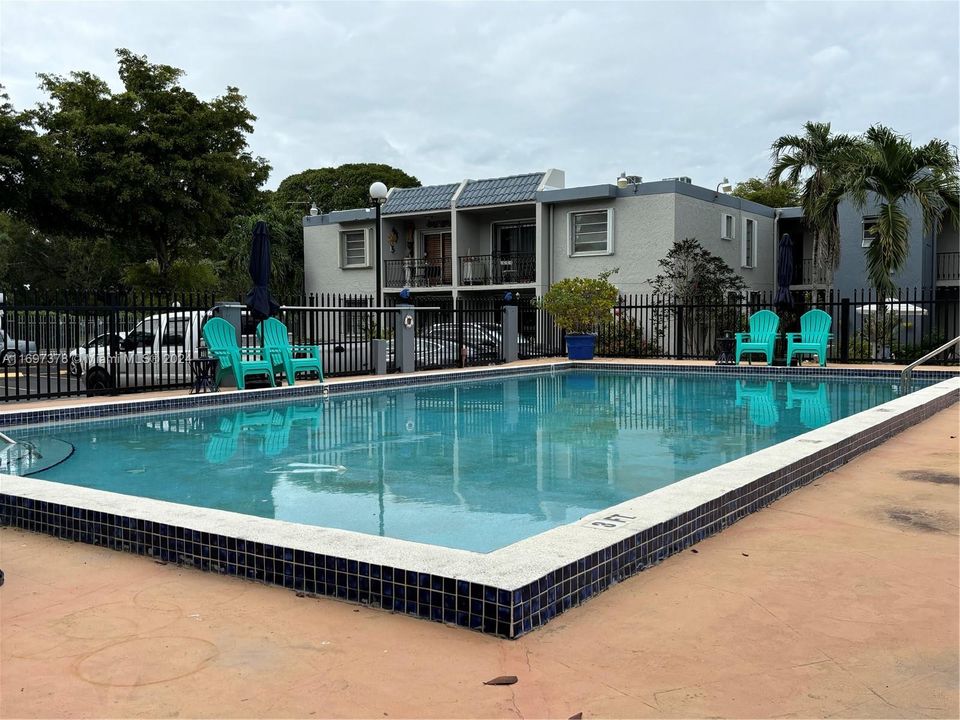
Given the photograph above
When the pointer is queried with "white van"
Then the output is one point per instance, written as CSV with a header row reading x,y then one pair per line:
x,y
157,352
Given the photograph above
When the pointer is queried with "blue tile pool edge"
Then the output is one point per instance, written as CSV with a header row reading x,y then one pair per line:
x,y
488,599
262,396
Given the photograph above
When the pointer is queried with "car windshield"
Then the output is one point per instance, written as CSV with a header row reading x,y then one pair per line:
x,y
142,335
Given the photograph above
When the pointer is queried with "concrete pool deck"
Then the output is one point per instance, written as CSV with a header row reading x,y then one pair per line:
x,y
840,600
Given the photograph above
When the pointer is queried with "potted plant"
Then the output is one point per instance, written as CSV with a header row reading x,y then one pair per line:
x,y
578,305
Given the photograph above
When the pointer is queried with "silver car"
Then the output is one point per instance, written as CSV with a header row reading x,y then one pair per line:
x,y
12,350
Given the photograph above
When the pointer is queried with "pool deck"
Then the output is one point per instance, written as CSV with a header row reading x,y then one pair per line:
x,y
840,600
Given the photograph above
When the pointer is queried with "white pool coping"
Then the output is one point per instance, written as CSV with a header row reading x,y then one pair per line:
x,y
523,562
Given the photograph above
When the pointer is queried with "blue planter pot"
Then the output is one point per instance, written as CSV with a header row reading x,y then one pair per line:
x,y
581,347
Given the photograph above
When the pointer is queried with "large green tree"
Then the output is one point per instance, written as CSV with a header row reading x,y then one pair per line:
x,y
765,192
286,252
152,169
340,188
53,262
816,159
887,168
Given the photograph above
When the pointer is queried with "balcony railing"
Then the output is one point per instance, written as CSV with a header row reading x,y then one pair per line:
x,y
418,272
810,274
498,269
948,266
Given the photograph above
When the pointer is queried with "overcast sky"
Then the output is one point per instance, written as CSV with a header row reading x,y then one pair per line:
x,y
446,91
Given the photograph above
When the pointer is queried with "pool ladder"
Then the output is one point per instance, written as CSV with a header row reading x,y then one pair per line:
x,y
906,373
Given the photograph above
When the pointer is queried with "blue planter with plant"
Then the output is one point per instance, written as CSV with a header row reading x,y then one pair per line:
x,y
579,305
581,347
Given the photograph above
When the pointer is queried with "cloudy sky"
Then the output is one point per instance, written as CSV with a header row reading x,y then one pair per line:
x,y
447,90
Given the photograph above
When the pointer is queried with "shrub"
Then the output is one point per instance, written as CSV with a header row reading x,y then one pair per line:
x,y
579,305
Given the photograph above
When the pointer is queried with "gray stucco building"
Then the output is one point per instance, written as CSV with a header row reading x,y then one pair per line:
x,y
524,232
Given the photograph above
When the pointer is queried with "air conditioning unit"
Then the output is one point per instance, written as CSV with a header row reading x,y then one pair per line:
x,y
682,178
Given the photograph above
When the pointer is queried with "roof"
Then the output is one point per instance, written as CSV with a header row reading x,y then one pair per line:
x,y
497,191
431,197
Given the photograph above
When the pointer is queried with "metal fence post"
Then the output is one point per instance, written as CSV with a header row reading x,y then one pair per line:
x,y
405,340
844,329
679,331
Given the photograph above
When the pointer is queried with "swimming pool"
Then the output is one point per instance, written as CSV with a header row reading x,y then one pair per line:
x,y
510,590
475,466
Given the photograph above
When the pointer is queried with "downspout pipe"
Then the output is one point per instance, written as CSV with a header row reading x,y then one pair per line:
x,y
776,243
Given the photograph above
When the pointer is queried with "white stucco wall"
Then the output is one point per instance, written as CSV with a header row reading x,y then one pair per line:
x,y
321,261
702,220
643,232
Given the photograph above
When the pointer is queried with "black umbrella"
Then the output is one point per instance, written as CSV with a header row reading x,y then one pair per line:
x,y
784,271
259,300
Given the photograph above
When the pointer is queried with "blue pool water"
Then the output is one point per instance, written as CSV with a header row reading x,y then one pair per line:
x,y
475,465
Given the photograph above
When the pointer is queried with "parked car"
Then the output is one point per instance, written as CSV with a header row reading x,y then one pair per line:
x,y
156,352
11,350
525,345
430,352
485,339
483,344
100,345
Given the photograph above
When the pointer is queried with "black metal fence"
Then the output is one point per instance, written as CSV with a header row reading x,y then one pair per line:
x,y
898,328
75,343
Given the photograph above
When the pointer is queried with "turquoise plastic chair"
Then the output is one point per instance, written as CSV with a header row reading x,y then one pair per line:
x,y
221,339
762,335
812,338
272,334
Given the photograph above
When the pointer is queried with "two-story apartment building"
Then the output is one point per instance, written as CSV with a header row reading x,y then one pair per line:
x,y
524,232
932,264
521,233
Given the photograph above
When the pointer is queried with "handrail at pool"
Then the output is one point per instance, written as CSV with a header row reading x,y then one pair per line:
x,y
908,370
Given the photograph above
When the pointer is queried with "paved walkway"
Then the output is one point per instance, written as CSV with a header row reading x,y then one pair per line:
x,y
840,600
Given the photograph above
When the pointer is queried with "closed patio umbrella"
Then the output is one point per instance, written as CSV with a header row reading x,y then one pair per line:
x,y
259,300
784,298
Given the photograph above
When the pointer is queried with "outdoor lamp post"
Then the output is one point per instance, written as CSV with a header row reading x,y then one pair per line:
x,y
378,196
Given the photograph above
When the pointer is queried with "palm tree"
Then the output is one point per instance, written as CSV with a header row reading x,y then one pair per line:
x,y
822,156
887,166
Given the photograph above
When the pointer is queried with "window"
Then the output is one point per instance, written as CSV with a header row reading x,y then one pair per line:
x,y
869,231
142,335
590,232
353,249
176,335
748,254
727,227
515,239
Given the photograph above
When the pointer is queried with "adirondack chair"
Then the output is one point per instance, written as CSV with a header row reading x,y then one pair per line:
x,y
762,335
812,338
221,340
272,334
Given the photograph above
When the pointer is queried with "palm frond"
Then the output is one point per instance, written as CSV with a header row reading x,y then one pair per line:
x,y
889,249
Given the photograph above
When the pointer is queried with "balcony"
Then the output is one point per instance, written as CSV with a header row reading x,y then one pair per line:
x,y
948,267
418,272
809,274
507,269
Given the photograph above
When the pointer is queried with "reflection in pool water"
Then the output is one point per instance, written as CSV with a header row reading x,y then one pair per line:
x,y
473,465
